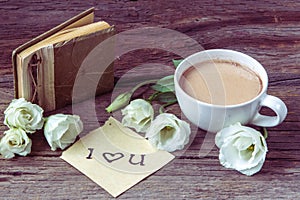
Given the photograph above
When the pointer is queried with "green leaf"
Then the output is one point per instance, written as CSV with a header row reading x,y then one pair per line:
x,y
176,62
265,133
165,84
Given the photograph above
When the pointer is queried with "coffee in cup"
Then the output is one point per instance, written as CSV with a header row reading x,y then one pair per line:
x,y
216,88
238,83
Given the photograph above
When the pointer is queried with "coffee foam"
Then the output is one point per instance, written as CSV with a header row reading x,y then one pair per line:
x,y
221,82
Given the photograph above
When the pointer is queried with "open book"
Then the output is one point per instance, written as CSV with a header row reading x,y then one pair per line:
x,y
46,67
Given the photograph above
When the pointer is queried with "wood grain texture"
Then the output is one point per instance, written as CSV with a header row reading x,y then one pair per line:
x,y
269,31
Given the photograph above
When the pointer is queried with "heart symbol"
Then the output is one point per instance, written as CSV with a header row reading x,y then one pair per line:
x,y
110,157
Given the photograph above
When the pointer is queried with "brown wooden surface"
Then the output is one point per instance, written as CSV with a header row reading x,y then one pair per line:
x,y
266,30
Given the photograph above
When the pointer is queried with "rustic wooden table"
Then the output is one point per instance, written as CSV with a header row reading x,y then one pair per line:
x,y
269,31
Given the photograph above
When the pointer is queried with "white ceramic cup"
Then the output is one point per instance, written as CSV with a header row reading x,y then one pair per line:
x,y
213,118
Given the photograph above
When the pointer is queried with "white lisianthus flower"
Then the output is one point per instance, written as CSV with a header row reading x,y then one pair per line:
x,y
138,115
241,148
168,133
61,130
15,141
23,114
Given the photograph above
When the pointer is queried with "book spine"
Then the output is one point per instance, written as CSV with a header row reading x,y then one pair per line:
x,y
38,75
45,89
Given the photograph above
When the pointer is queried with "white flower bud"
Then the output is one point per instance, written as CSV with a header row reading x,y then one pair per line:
x,y
61,130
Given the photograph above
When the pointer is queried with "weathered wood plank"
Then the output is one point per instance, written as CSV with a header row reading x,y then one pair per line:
x,y
268,31
34,179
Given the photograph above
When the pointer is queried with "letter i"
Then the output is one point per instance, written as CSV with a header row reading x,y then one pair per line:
x,y
90,154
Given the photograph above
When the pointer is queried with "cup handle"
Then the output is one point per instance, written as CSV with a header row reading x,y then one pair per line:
x,y
275,104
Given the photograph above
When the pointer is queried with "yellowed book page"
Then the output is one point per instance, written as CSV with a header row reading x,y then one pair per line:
x,y
20,69
76,32
66,35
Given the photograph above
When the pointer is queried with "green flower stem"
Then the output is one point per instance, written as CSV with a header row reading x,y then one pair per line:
x,y
153,96
162,107
142,84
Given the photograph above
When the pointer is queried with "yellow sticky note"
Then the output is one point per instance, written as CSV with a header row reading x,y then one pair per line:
x,y
115,157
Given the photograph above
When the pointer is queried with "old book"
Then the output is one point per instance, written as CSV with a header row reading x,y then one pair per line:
x,y
46,68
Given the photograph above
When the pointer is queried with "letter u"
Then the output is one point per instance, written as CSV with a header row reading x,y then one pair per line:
x,y
141,162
